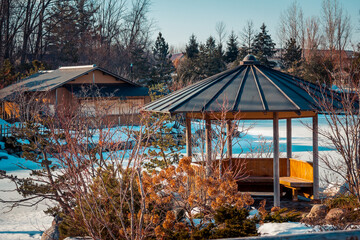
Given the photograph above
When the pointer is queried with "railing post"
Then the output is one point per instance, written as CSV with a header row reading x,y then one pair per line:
x,y
276,160
229,142
188,137
208,145
288,144
316,157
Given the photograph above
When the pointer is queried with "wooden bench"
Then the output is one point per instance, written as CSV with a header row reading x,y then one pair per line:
x,y
296,185
258,174
299,180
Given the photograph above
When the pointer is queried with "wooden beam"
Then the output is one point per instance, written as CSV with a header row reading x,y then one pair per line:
x,y
316,156
252,115
229,132
288,144
276,160
208,145
188,137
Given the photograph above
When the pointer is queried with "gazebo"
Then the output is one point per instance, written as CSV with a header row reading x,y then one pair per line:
x,y
257,93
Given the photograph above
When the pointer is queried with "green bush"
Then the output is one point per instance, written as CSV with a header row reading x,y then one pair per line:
x,y
230,221
283,215
344,201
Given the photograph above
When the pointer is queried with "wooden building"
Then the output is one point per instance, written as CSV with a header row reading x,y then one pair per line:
x,y
87,87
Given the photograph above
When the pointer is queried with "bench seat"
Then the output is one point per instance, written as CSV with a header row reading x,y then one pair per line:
x,y
294,182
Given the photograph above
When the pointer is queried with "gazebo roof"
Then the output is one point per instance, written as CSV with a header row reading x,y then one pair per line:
x,y
248,88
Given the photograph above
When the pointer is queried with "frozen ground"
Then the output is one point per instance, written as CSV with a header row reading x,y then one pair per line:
x,y
22,222
28,223
271,229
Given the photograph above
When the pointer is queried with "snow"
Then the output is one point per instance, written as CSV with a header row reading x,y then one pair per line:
x,y
253,213
28,223
272,229
21,222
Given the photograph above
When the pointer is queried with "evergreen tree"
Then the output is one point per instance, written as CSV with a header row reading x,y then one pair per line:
x,y
140,67
192,48
292,54
163,67
210,59
69,29
232,50
7,74
263,46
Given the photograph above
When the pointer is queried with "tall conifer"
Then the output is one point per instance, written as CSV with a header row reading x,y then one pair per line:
x,y
232,50
263,46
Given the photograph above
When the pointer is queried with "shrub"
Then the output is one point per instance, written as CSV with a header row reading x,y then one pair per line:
x,y
344,201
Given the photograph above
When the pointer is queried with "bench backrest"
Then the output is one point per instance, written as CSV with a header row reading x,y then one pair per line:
x,y
301,169
257,167
263,167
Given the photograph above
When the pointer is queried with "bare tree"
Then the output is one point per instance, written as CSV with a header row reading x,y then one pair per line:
x,y
248,35
342,132
221,31
292,24
343,35
313,35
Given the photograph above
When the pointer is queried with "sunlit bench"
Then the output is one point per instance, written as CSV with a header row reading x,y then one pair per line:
x,y
258,175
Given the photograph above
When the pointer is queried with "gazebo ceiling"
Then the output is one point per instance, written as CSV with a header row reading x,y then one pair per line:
x,y
249,88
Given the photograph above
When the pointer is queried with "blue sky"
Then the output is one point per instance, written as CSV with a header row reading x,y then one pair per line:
x,y
178,19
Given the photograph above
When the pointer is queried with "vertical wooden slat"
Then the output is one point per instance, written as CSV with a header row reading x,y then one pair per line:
x,y
288,144
188,137
229,142
276,160
316,157
208,145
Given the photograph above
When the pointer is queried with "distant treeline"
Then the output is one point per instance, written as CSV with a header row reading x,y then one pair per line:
x,y
36,34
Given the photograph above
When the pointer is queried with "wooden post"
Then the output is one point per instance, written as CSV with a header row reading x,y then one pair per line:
x,y
229,143
288,144
316,157
276,160
208,145
188,137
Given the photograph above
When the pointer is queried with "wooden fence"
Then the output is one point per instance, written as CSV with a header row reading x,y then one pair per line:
x,y
7,130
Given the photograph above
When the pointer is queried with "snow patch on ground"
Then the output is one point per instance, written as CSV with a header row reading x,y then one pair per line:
x,y
27,223
22,222
272,229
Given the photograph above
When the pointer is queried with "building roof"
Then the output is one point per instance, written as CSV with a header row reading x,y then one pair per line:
x,y
250,87
43,81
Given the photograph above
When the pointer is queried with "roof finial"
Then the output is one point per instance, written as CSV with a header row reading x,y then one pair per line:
x,y
249,60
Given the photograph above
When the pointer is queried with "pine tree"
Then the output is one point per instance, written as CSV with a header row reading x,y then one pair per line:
x,y
163,67
263,46
210,59
69,29
7,74
140,67
192,48
232,50
292,54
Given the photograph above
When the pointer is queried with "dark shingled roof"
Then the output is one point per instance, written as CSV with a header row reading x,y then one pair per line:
x,y
250,87
49,80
